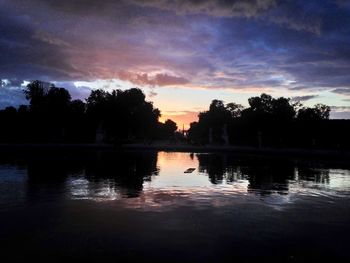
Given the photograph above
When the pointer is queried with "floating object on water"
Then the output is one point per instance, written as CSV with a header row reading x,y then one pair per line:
x,y
189,170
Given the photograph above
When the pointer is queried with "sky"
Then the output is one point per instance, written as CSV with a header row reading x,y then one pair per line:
x,y
181,53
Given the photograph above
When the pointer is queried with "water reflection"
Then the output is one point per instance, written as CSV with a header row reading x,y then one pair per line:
x,y
157,180
111,177
103,206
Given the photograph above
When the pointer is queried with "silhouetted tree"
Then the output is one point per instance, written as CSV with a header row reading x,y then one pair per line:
x,y
318,112
77,108
8,118
52,116
270,121
267,107
58,98
211,122
170,126
235,109
167,129
123,114
23,109
35,93
262,104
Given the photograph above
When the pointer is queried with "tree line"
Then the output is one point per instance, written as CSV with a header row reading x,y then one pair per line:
x,y
52,116
122,116
270,122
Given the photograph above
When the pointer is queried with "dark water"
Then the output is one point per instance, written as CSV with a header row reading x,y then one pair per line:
x,y
142,206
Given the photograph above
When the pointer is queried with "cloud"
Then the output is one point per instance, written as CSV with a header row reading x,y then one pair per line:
x,y
340,112
152,94
76,92
50,39
221,8
310,25
342,91
304,98
255,45
76,7
290,14
11,94
343,3
298,15
155,80
27,56
340,108
340,115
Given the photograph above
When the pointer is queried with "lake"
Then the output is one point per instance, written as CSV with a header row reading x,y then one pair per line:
x,y
150,206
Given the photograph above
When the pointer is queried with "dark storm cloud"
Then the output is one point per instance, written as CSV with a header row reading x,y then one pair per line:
x,y
221,8
75,7
297,15
26,54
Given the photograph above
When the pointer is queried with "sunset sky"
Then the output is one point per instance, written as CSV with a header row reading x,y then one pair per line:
x,y
182,54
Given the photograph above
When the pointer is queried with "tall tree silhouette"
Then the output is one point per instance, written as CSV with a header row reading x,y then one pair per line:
x,y
122,114
211,123
35,93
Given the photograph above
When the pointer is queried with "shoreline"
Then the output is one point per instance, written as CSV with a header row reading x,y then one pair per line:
x,y
292,152
249,150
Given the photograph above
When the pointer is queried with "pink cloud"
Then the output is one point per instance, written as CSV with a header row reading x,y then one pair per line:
x,y
145,79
